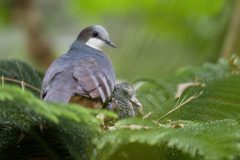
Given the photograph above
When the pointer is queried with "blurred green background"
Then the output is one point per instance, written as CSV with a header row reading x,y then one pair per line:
x,y
153,37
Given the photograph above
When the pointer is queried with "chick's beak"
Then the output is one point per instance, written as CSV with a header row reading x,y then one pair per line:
x,y
108,42
136,101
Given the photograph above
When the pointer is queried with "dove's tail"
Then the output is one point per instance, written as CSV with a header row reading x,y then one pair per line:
x,y
58,96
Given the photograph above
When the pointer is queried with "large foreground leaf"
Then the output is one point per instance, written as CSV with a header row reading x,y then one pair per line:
x,y
199,140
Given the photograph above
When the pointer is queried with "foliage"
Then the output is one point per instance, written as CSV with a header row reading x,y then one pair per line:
x,y
197,139
204,124
146,32
191,12
19,70
22,112
213,104
149,32
4,11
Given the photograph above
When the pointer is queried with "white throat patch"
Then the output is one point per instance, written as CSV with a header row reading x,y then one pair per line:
x,y
95,43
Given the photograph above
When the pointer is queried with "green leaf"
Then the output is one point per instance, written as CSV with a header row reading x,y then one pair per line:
x,y
204,140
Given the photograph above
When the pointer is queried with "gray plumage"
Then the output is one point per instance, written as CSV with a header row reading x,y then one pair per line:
x,y
83,71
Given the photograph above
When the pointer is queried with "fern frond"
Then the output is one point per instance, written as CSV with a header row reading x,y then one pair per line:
x,y
20,71
206,140
218,100
50,111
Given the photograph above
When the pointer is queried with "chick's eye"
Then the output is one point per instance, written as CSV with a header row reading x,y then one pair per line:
x,y
125,92
95,34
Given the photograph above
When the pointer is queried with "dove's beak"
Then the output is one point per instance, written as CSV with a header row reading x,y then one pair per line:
x,y
111,44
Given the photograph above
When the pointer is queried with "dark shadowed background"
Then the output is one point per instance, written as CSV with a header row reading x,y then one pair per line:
x,y
153,37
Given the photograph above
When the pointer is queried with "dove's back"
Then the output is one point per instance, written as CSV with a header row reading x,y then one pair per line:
x,y
82,71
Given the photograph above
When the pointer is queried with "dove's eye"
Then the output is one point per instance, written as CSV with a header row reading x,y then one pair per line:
x,y
95,34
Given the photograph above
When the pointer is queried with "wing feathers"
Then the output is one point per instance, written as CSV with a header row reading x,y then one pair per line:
x,y
93,83
104,83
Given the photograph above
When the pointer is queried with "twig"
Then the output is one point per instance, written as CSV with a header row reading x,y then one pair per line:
x,y
133,127
23,86
147,115
2,81
178,106
181,88
22,83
